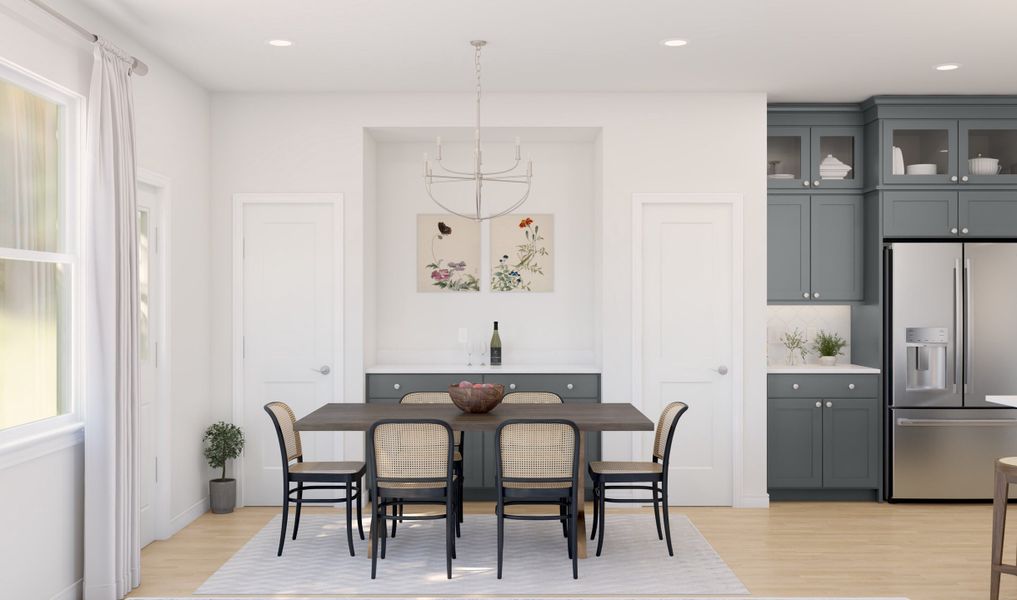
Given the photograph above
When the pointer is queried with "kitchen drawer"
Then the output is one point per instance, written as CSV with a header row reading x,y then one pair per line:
x,y
567,386
398,385
822,386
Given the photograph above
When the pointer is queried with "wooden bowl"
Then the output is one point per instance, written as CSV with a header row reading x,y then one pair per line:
x,y
476,400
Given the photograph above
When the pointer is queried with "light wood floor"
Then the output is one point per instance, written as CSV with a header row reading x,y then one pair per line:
x,y
918,551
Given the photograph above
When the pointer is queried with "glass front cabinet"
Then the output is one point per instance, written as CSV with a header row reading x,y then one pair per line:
x,y
988,151
932,151
814,157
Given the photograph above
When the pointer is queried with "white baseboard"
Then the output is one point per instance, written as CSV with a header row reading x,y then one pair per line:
x,y
71,592
188,516
758,501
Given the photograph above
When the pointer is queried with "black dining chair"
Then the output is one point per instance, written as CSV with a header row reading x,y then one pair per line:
x,y
347,475
623,475
537,463
410,461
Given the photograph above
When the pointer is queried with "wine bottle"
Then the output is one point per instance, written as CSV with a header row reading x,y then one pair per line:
x,y
495,347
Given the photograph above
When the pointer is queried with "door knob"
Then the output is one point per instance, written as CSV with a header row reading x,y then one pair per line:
x,y
722,369
324,370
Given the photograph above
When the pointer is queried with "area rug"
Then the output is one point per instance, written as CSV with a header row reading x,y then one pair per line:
x,y
634,563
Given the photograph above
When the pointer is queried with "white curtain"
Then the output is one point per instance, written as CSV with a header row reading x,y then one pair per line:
x,y
112,542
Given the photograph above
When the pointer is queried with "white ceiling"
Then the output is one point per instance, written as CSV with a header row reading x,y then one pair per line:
x,y
795,50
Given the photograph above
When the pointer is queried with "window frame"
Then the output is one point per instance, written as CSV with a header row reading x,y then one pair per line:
x,y
23,442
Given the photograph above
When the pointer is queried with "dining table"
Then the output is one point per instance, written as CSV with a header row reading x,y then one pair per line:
x,y
587,417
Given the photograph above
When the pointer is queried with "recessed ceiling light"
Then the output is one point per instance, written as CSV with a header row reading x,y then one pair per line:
x,y
674,43
947,67
280,43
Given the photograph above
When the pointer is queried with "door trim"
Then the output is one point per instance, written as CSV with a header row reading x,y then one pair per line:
x,y
163,484
639,201
241,200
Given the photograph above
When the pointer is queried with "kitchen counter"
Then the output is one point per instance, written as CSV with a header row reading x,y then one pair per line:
x,y
482,370
846,369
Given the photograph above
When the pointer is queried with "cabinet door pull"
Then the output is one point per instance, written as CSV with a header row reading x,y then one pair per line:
x,y
965,230
815,294
965,178
805,295
829,404
954,178
953,230
819,404
396,386
794,386
569,386
806,183
851,386
815,183
512,386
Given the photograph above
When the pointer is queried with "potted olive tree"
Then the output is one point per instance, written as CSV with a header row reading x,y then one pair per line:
x,y
223,442
828,346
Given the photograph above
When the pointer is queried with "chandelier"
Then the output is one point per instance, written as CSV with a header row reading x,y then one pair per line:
x,y
477,177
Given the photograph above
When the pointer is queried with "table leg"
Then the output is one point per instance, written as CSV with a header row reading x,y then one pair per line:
x,y
580,496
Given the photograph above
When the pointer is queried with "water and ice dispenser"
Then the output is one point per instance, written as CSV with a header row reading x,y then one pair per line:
x,y
926,348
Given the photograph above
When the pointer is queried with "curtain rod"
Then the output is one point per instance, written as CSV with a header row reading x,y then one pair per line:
x,y
139,67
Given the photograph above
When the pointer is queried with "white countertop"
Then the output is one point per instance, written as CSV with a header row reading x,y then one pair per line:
x,y
1004,400
482,370
846,369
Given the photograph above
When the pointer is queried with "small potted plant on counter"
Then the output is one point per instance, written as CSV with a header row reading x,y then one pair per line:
x,y
223,442
828,346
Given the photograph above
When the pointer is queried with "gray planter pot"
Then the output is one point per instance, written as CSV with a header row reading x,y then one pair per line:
x,y
222,495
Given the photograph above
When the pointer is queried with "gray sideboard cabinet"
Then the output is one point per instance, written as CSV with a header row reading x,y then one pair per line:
x,y
823,432
478,448
815,248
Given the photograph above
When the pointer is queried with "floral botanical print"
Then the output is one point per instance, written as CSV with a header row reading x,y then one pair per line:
x,y
449,248
522,249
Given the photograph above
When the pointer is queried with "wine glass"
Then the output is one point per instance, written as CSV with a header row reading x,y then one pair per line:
x,y
482,350
469,355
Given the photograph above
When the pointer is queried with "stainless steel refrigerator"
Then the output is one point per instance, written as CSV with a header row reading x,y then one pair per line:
x,y
953,341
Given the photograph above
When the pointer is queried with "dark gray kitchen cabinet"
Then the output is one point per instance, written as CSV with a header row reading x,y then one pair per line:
x,y
794,443
814,248
921,142
912,214
795,154
823,432
788,252
851,443
988,214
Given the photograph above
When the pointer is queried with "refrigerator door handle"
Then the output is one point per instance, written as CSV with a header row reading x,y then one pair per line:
x,y
903,422
967,326
957,304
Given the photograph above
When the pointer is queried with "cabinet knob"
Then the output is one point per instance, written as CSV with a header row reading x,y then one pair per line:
x,y
815,294
569,386
954,178
829,404
965,178
819,404
806,183
851,386
953,230
512,386
396,386
794,386
805,295
965,230
815,183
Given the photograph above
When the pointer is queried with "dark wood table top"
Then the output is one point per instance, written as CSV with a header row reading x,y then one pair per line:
x,y
587,417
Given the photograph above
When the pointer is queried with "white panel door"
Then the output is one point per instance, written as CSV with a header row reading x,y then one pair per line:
x,y
288,343
149,327
687,276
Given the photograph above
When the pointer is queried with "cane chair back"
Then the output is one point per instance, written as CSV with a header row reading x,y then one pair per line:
x,y
538,454
286,421
531,398
666,426
411,454
432,398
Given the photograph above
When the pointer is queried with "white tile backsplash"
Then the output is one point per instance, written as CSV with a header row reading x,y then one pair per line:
x,y
810,319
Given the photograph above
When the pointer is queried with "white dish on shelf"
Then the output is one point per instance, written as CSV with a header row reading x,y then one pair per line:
x,y
898,161
921,169
983,165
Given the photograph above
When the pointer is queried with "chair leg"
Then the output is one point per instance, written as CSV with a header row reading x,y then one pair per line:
x,y
999,502
501,531
603,517
376,527
360,518
395,513
453,517
656,510
300,502
285,518
596,510
574,538
667,520
563,517
349,516
450,514
384,528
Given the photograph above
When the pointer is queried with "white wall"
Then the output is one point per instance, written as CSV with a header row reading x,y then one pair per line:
x,y
41,544
649,143
420,327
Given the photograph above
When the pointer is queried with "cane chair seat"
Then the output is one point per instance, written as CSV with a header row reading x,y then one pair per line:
x,y
625,468
531,398
327,468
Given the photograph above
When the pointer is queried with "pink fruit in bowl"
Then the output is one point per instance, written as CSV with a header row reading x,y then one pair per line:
x,y
478,385
465,384
489,385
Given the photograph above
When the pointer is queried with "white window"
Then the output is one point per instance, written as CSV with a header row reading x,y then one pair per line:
x,y
39,247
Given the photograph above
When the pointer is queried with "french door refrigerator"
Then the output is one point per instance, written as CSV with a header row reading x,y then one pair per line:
x,y
952,341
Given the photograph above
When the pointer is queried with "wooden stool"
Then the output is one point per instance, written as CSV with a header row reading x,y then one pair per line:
x,y
1006,473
